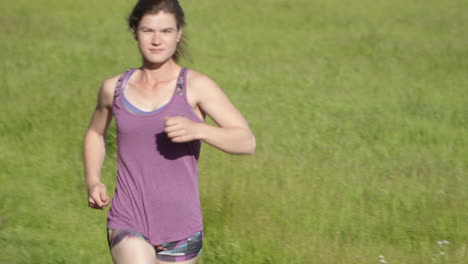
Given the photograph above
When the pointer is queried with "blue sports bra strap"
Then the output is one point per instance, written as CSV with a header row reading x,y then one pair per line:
x,y
181,81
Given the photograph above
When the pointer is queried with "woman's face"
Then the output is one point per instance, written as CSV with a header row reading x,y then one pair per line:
x,y
157,37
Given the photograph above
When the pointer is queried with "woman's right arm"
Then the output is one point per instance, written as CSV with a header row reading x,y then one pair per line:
x,y
94,148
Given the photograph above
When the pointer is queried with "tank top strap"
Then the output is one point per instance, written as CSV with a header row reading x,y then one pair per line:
x,y
181,81
122,79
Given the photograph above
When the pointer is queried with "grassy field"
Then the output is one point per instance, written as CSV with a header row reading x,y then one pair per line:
x,y
360,109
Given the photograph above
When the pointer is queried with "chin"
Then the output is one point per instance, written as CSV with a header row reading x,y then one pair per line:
x,y
156,61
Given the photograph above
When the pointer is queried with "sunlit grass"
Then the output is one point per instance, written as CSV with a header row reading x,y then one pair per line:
x,y
359,109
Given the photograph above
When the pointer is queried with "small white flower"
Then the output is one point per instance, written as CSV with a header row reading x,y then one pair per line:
x,y
440,242
446,242
382,259
442,253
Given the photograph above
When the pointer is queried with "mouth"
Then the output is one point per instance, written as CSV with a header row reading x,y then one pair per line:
x,y
156,50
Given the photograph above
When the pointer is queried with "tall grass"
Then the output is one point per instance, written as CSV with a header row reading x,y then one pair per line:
x,y
359,107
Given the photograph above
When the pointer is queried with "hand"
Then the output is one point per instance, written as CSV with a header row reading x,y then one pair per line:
x,y
180,129
97,196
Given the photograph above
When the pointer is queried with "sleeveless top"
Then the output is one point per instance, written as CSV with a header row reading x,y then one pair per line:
x,y
157,180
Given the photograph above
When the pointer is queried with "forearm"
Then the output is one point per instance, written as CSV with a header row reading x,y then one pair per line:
x,y
94,152
234,140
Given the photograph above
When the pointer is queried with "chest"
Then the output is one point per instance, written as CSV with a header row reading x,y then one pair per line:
x,y
149,98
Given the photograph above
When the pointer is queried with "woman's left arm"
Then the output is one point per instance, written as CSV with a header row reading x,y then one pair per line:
x,y
232,133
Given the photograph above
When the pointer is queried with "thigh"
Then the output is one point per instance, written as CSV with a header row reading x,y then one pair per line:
x,y
130,248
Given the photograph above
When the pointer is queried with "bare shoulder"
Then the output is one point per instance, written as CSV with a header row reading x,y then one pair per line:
x,y
106,92
108,86
200,82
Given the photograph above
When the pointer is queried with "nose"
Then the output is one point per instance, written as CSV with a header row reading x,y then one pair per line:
x,y
156,38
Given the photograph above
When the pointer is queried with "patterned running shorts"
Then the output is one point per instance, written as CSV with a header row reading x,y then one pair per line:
x,y
176,251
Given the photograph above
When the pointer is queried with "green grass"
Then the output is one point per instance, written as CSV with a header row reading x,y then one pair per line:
x,y
359,107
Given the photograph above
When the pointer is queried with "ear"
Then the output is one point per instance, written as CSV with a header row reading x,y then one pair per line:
x,y
179,34
134,32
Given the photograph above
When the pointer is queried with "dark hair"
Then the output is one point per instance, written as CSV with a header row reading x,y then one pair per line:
x,y
144,7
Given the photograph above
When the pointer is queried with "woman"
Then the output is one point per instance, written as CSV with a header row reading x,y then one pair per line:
x,y
159,109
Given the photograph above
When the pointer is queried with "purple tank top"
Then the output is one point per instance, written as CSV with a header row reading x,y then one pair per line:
x,y
157,180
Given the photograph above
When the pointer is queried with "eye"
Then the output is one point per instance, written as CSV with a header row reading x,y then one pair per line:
x,y
168,30
145,29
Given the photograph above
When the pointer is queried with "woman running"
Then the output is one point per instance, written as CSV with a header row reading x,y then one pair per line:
x,y
159,108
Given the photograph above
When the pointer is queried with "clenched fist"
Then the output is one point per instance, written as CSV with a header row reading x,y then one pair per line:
x,y
180,129
97,196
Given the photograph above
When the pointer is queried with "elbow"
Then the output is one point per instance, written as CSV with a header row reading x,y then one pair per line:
x,y
243,145
246,147
251,146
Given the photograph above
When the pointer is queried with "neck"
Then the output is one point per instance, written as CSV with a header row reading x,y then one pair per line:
x,y
157,73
